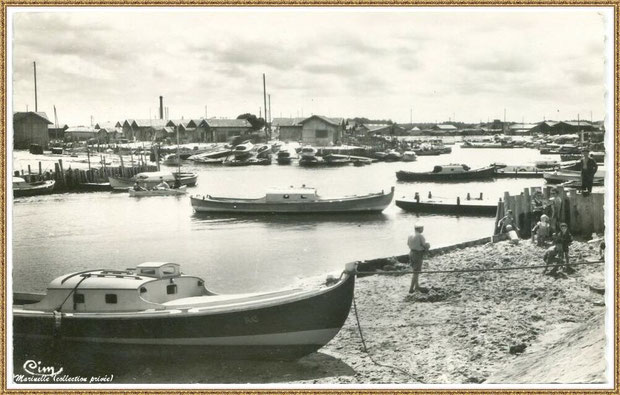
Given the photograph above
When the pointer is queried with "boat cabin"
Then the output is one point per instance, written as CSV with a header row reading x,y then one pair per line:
x,y
451,168
291,195
150,285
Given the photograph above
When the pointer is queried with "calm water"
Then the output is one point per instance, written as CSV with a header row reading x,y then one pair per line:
x,y
56,234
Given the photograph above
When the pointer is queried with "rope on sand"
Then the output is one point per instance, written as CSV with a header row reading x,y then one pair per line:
x,y
481,270
359,328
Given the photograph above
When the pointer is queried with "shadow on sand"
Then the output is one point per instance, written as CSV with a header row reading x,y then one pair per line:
x,y
186,369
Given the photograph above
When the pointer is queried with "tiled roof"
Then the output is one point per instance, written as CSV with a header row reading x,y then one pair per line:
x,y
227,123
154,123
332,121
287,121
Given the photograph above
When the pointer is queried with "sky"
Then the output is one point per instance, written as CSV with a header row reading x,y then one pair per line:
x,y
425,65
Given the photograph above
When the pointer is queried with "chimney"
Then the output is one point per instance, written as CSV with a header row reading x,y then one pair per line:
x,y
161,107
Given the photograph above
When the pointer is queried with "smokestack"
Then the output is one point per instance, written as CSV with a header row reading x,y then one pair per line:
x,y
161,107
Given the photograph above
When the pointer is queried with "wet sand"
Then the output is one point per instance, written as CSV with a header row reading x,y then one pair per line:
x,y
484,327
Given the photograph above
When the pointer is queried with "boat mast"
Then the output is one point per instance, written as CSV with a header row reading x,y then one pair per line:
x,y
35,86
178,154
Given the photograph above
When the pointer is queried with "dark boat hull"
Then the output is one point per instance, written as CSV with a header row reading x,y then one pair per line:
x,y
485,173
285,330
467,208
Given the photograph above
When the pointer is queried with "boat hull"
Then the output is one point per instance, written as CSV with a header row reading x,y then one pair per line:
x,y
468,207
369,203
44,188
283,330
123,184
485,173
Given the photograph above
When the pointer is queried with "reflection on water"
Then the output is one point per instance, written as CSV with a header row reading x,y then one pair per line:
x,y
288,221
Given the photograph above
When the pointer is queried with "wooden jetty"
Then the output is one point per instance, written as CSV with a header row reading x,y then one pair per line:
x,y
82,180
583,214
457,206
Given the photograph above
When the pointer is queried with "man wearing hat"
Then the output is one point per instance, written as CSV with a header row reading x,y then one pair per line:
x,y
417,247
588,169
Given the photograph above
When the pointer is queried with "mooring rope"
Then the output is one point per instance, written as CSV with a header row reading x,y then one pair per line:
x,y
479,270
359,327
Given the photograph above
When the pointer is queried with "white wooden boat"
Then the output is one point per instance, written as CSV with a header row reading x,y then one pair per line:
x,y
562,176
153,307
451,172
151,178
409,156
293,200
158,192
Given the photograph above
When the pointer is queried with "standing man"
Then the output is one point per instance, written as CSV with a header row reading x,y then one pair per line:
x,y
417,247
588,169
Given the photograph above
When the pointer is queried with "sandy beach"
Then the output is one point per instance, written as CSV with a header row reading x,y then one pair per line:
x,y
515,326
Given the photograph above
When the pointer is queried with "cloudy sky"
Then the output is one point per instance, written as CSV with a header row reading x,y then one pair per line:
x,y
438,65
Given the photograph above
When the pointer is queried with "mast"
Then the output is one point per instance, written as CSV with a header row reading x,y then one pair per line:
x,y
265,102
35,86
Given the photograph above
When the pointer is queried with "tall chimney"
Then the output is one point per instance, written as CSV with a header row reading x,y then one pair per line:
x,y
161,107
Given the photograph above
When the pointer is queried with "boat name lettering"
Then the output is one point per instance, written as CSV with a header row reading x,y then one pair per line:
x,y
252,319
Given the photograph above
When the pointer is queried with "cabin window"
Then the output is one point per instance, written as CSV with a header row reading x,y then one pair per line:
x,y
286,196
321,133
78,298
171,289
111,298
147,271
168,270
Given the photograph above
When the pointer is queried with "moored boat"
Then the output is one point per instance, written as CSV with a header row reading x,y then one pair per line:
x,y
451,172
152,178
155,308
293,200
562,176
242,150
157,192
409,156
284,157
23,188
457,206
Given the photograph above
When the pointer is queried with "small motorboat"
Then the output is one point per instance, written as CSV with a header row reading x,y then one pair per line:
x,y
21,187
158,192
150,179
243,150
217,156
409,156
263,151
451,172
562,176
285,157
293,200
457,206
308,157
392,156
337,160
154,308
172,160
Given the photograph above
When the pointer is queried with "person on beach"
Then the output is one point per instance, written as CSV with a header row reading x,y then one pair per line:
x,y
538,206
508,219
541,231
555,207
588,169
417,247
564,239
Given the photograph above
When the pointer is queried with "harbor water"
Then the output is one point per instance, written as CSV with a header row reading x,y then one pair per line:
x,y
61,233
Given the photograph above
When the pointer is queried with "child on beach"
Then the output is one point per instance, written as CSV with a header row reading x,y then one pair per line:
x,y
558,254
417,247
508,220
541,231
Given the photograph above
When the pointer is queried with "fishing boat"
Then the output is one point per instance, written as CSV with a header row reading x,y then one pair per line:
x,y
337,160
599,157
150,179
216,156
172,160
153,307
409,156
285,157
547,164
263,151
562,176
451,172
525,171
158,192
293,200
243,150
21,187
496,144
457,206
309,158
392,156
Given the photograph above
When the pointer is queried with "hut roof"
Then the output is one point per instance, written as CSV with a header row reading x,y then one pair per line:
x,y
331,121
21,115
287,121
